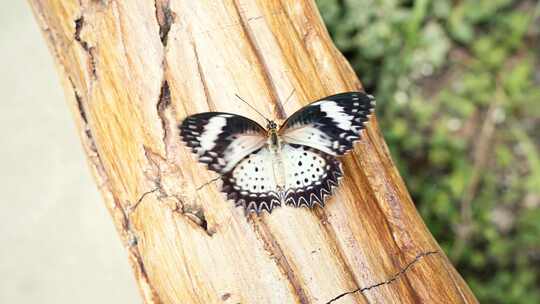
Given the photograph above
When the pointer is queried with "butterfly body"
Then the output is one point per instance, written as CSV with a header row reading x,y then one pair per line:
x,y
274,146
274,141
294,164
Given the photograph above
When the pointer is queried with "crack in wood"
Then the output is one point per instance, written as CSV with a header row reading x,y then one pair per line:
x,y
79,24
164,97
165,18
396,276
134,206
207,95
194,213
84,117
355,167
164,101
208,183
80,106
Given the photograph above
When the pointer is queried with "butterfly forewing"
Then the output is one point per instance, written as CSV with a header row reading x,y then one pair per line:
x,y
221,140
330,125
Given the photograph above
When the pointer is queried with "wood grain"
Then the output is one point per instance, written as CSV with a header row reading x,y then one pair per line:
x,y
132,70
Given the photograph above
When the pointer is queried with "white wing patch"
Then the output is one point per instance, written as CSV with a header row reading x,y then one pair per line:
x,y
211,132
341,119
240,147
308,135
255,174
252,183
310,175
303,168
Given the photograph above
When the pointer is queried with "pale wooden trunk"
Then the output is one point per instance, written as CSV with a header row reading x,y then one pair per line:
x,y
133,69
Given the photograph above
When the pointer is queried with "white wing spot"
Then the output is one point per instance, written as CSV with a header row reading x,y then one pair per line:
x,y
205,159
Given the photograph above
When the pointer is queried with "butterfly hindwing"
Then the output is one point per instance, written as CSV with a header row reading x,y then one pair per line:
x,y
310,174
221,140
331,124
252,183
309,177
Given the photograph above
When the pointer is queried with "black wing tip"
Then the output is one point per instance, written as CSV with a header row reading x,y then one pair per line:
x,y
351,94
368,101
372,101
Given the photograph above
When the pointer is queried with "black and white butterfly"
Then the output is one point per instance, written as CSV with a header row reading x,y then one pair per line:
x,y
295,164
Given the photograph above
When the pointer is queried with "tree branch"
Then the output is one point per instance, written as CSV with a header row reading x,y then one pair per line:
x,y
133,69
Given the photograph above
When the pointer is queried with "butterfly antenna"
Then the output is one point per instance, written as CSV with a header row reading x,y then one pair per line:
x,y
288,98
268,120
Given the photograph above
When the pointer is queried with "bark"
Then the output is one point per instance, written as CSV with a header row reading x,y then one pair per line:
x,y
133,69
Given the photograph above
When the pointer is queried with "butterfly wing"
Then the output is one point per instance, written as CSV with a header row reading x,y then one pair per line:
x,y
310,175
252,184
331,124
221,140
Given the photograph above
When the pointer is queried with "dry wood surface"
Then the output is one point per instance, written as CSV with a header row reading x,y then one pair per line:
x,y
132,70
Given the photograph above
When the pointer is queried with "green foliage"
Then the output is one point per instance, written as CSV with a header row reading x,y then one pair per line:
x,y
458,99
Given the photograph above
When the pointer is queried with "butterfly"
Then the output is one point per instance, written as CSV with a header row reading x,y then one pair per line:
x,y
295,164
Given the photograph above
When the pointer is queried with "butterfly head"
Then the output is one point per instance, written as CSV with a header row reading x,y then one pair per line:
x,y
272,125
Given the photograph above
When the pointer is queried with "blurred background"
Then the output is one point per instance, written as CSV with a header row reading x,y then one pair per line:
x,y
458,100
458,91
